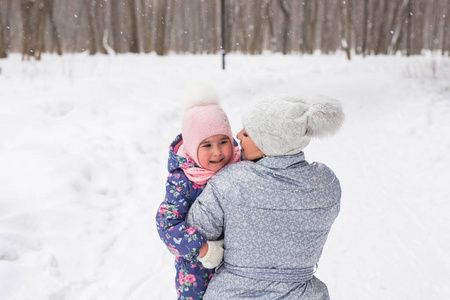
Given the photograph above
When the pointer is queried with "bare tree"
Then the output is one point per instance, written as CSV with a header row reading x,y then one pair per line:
x,y
365,26
417,38
211,8
229,22
242,27
133,42
115,25
101,30
446,30
161,28
258,16
2,39
399,24
304,40
313,27
49,10
147,7
270,16
286,25
326,36
5,30
409,31
28,43
346,25
433,20
92,43
42,21
381,28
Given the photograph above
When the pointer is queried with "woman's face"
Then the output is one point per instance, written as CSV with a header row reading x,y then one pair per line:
x,y
248,149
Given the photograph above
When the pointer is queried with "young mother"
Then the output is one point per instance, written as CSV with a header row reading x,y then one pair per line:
x,y
274,208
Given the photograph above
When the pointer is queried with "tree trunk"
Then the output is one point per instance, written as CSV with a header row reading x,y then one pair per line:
x,y
49,4
170,15
100,15
201,25
5,31
161,27
258,14
223,41
212,27
304,27
115,25
2,39
382,29
346,42
147,25
187,30
374,16
398,28
42,13
242,27
8,26
365,25
92,43
25,7
325,36
409,30
272,39
313,26
349,28
435,27
229,18
286,26
446,30
133,45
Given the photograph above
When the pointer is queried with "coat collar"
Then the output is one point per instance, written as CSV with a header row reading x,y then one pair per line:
x,y
283,162
175,161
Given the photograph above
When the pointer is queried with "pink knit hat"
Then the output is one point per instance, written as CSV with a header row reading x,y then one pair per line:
x,y
203,119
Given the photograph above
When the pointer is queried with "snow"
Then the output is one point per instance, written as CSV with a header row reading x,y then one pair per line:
x,y
83,152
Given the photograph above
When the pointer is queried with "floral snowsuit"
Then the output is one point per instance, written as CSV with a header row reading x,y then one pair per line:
x,y
191,277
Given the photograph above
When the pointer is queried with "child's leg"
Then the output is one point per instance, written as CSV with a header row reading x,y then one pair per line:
x,y
191,279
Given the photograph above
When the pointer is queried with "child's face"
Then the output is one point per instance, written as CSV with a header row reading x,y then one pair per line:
x,y
248,148
215,152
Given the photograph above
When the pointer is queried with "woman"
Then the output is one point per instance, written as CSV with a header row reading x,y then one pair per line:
x,y
274,209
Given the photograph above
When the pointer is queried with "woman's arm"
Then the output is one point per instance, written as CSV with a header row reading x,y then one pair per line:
x,y
180,239
206,214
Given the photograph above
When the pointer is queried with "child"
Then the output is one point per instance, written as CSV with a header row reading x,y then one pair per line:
x,y
203,148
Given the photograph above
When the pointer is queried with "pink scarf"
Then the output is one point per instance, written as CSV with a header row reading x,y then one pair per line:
x,y
198,175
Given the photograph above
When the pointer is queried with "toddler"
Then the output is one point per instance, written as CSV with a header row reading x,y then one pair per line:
x,y
204,146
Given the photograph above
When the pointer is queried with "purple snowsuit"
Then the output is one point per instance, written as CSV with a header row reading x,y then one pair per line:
x,y
191,277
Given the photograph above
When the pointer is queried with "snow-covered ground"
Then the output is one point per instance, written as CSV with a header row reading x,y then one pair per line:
x,y
83,152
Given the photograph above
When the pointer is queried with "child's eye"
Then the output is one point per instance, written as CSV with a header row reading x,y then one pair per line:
x,y
224,142
206,145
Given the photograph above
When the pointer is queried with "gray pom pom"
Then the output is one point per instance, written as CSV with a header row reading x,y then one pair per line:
x,y
325,116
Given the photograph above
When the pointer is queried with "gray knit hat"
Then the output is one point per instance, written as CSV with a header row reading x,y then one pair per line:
x,y
283,125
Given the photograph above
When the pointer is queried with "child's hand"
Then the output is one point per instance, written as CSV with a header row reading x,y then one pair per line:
x,y
214,254
203,250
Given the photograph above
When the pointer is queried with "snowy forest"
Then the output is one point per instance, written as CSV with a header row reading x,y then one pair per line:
x,y
361,27
91,98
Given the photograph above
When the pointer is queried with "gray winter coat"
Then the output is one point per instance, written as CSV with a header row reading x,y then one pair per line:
x,y
275,215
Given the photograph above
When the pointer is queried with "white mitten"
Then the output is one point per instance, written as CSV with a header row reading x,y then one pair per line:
x,y
214,256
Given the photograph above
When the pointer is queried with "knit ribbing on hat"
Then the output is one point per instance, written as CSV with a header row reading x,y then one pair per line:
x,y
283,125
